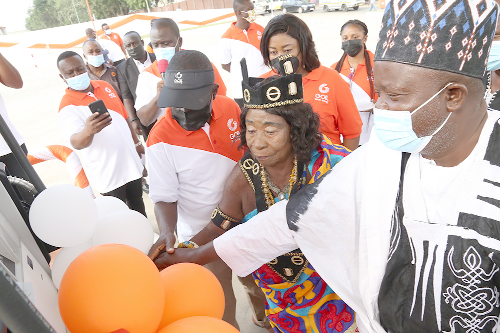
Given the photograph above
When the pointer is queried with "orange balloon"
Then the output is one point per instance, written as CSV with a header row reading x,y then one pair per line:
x,y
190,290
111,287
198,325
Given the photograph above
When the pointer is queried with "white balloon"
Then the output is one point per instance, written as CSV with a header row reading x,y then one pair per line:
x,y
106,205
125,227
65,258
64,216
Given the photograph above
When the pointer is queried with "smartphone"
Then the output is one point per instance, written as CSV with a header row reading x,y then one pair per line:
x,y
98,106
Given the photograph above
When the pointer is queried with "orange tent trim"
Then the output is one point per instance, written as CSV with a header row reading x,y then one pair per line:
x,y
116,25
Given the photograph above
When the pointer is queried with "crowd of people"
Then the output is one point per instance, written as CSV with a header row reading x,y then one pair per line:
x,y
296,183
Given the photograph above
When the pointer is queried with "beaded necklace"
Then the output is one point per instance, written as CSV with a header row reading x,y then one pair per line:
x,y
268,185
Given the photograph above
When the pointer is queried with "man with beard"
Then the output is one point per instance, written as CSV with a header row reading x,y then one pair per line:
x,y
406,229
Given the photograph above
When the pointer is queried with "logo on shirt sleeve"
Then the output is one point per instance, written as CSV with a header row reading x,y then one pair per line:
x,y
110,92
259,35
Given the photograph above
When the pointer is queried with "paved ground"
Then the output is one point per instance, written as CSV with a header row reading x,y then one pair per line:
x,y
33,109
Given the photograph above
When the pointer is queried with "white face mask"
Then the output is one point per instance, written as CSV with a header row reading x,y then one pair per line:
x,y
108,32
395,128
165,52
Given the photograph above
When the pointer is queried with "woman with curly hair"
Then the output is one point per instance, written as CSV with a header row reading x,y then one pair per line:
x,y
328,94
285,151
356,68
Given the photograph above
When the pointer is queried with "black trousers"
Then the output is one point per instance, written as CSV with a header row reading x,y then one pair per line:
x,y
131,194
13,167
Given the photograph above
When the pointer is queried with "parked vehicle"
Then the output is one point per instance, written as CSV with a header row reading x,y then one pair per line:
x,y
297,6
343,5
274,5
261,7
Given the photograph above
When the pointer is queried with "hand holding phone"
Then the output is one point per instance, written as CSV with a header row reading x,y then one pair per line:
x,y
99,119
98,106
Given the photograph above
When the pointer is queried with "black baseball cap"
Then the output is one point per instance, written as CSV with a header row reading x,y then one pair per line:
x,y
190,89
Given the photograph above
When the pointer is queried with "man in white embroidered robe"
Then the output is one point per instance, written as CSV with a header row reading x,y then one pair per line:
x,y
411,251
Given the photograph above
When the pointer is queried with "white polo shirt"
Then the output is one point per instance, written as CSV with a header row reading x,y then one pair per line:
x,y
191,167
115,52
237,44
111,160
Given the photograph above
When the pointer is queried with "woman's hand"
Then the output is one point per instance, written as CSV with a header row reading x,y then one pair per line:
x,y
203,255
165,259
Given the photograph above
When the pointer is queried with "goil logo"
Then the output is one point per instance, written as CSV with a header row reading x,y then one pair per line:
x,y
110,92
232,124
178,78
259,35
323,88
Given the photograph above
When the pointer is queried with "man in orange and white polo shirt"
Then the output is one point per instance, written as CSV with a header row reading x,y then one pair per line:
x,y
242,40
106,142
190,153
114,37
167,41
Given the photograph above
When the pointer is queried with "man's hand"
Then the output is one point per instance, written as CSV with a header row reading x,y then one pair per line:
x,y
140,150
96,122
136,126
166,259
164,244
93,125
159,86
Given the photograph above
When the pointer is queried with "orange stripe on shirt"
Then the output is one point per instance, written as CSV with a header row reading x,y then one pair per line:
x,y
360,74
224,129
253,34
102,90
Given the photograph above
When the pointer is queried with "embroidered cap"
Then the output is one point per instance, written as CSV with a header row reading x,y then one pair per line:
x,y
447,35
190,89
283,90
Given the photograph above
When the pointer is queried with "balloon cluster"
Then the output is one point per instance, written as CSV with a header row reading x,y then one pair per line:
x,y
106,282
66,216
116,288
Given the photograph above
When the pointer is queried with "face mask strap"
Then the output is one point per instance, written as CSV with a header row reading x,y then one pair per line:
x,y
430,99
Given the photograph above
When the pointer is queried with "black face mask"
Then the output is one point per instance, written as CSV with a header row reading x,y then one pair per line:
x,y
192,120
285,67
137,52
352,47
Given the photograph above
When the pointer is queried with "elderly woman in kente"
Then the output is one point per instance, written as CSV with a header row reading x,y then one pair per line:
x,y
324,88
285,152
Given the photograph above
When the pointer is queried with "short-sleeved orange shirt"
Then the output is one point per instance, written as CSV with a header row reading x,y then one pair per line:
x,y
360,76
331,98
114,37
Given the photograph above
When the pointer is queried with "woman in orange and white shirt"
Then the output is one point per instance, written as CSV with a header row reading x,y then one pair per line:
x,y
356,68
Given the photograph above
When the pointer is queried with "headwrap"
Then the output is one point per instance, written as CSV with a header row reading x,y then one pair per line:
x,y
448,35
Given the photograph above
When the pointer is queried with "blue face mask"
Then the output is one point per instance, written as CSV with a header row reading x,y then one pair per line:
x,y
95,61
395,128
494,57
79,82
165,52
